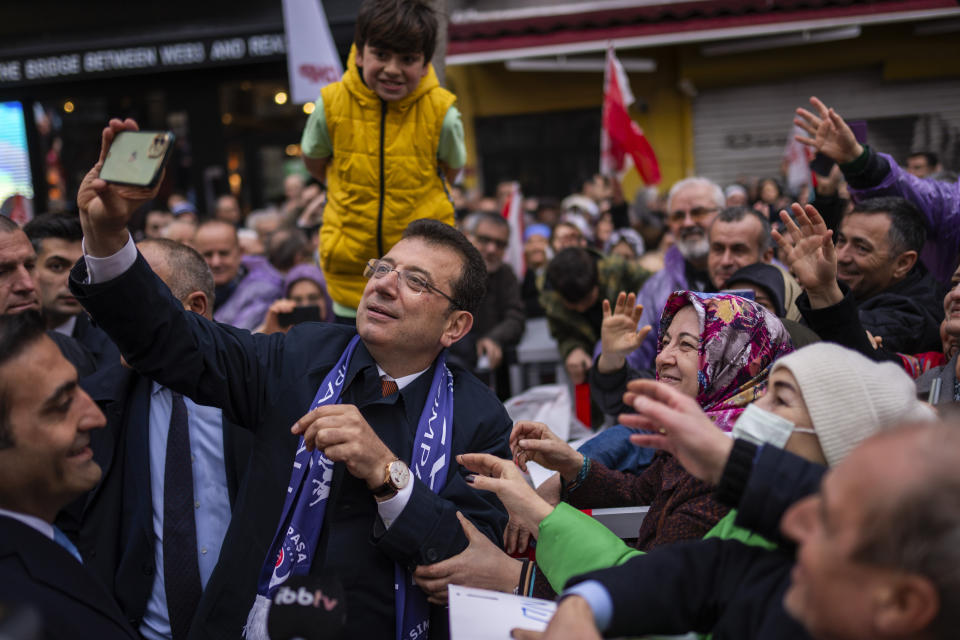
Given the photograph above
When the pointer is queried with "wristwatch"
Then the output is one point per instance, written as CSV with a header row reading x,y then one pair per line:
x,y
396,478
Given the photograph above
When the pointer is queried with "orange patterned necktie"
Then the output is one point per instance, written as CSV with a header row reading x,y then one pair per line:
x,y
388,387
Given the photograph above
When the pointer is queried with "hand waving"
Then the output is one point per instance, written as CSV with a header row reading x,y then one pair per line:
x,y
827,133
807,249
618,334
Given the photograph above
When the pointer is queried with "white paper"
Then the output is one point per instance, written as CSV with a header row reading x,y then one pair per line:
x,y
478,614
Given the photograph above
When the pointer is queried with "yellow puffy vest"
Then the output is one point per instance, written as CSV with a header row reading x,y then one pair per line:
x,y
382,175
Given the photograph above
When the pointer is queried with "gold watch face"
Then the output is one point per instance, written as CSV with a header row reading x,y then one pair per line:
x,y
399,474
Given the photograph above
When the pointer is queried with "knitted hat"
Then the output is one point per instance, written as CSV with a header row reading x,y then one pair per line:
x,y
850,397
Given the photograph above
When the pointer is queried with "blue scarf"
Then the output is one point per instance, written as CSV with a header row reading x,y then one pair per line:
x,y
301,521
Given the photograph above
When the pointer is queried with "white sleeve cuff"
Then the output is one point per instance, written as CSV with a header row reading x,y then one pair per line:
x,y
391,509
106,269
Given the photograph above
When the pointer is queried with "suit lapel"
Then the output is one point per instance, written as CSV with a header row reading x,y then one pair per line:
x,y
138,443
50,564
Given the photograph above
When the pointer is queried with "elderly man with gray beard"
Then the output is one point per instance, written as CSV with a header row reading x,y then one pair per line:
x,y
692,205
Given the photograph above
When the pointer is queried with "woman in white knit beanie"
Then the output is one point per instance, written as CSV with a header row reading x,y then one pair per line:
x,y
824,399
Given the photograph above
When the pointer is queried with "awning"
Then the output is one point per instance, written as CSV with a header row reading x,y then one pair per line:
x,y
476,37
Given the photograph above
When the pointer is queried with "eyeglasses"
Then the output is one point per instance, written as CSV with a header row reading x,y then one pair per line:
x,y
697,214
485,240
414,282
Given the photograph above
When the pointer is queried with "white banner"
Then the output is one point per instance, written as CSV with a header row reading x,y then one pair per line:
x,y
312,59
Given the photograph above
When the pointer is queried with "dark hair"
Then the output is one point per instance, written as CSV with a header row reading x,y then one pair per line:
x,y
402,26
573,274
908,227
53,225
474,219
736,214
17,332
771,180
918,530
285,246
188,270
7,225
470,288
931,158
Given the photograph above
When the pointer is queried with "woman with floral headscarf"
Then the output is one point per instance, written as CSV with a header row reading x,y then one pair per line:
x,y
716,348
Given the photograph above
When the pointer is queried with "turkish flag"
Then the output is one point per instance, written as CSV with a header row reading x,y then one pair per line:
x,y
621,137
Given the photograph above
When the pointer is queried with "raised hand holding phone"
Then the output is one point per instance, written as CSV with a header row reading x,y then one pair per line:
x,y
105,208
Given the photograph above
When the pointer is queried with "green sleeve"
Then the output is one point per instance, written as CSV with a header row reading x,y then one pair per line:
x,y
727,530
571,542
452,150
315,142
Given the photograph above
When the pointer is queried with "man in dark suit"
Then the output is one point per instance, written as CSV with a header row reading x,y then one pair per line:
x,y
418,301
45,462
56,237
18,290
124,536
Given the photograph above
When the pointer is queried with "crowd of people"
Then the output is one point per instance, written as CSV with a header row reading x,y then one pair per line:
x,y
197,409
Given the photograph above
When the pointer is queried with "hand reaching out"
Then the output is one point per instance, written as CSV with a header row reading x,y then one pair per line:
x,y
533,441
807,249
516,539
504,479
827,132
481,565
678,426
619,335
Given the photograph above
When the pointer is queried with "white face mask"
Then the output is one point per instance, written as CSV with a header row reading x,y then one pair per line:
x,y
759,426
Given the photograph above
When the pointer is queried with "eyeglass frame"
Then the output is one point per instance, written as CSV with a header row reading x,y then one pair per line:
x,y
696,214
484,240
370,272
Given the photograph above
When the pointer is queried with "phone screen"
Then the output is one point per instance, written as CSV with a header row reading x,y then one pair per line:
x,y
137,157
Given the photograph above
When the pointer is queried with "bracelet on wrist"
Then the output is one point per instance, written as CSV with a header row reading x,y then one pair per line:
x,y
581,476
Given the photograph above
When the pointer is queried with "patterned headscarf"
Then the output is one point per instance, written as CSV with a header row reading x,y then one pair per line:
x,y
739,341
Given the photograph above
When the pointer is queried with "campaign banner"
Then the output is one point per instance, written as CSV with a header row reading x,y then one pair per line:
x,y
312,58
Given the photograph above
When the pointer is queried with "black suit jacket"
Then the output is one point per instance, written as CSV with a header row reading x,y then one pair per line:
x,y
37,571
266,383
98,343
116,537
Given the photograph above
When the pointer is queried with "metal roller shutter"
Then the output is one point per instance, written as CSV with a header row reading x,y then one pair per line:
x,y
743,130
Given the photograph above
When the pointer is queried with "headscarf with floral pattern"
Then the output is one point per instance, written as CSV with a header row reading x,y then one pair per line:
x,y
739,341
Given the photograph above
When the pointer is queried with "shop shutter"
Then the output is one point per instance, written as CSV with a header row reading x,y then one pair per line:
x,y
742,131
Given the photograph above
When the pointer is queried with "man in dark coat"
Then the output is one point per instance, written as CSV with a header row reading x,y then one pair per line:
x,y
876,272
45,462
419,300
56,237
123,520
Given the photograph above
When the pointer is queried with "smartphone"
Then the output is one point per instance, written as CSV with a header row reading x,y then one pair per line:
x,y
137,158
306,313
821,164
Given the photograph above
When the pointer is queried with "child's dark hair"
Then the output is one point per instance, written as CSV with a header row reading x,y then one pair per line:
x,y
403,26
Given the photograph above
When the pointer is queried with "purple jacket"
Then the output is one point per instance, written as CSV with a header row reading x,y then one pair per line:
x,y
247,306
939,202
653,296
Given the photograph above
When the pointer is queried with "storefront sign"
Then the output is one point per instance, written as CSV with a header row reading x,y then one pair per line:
x,y
148,58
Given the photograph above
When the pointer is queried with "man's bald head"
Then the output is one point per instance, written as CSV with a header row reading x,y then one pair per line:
x,y
218,244
183,270
914,522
